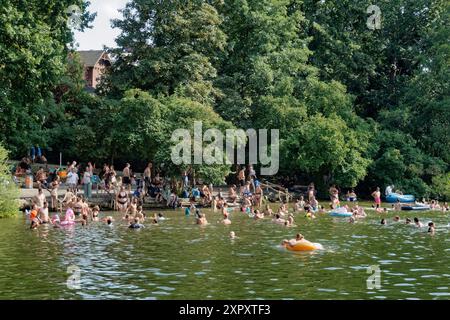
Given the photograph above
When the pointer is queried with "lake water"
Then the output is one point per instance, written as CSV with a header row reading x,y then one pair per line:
x,y
180,260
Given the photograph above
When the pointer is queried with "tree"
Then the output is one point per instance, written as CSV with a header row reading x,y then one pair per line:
x,y
269,82
427,98
167,47
398,161
328,150
264,58
9,193
143,126
34,39
441,186
376,64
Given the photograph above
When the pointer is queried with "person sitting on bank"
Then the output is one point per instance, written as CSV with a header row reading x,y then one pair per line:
x,y
351,196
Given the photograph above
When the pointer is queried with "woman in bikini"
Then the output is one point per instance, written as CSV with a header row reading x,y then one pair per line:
x,y
122,200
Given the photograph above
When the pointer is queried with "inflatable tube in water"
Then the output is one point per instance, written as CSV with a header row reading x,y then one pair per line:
x,y
67,223
393,197
416,207
303,245
340,214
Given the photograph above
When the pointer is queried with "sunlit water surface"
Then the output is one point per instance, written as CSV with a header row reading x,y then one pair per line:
x,y
180,260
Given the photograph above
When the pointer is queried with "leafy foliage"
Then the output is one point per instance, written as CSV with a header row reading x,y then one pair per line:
x,y
8,190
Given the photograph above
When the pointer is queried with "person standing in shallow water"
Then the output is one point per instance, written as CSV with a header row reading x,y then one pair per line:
x,y
311,191
334,196
377,197
87,182
241,178
148,177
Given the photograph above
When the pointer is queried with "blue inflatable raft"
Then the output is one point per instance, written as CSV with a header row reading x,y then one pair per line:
x,y
340,214
404,198
416,207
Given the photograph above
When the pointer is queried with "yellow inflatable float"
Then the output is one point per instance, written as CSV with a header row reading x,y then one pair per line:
x,y
302,245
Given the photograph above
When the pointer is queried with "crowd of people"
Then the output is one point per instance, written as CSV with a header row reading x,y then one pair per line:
x,y
130,193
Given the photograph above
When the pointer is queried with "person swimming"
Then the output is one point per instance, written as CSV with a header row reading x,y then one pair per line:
x,y
277,219
431,227
258,215
418,223
95,213
294,241
201,219
135,224
310,214
397,206
225,220
109,220
290,220
396,219
232,235
383,221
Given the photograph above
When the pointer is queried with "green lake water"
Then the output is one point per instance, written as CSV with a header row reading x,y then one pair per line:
x,y
180,260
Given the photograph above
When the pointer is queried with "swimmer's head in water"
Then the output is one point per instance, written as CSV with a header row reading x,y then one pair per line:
x,y
299,236
416,219
232,234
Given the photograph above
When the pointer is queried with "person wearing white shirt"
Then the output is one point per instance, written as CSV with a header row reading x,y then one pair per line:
x,y
72,180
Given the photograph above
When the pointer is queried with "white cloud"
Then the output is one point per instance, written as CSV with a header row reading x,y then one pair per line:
x,y
102,33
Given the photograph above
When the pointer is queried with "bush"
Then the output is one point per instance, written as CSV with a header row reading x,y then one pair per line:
x,y
9,193
441,186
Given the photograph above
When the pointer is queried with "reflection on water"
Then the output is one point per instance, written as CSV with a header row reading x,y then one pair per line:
x,y
178,259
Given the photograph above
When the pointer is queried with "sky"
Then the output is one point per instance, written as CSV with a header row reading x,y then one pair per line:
x,y
101,34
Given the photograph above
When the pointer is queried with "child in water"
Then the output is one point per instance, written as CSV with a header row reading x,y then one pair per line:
x,y
136,224
418,223
95,213
225,220
431,228
109,220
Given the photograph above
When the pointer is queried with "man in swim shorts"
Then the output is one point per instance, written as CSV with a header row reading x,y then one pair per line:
x,y
126,179
377,197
